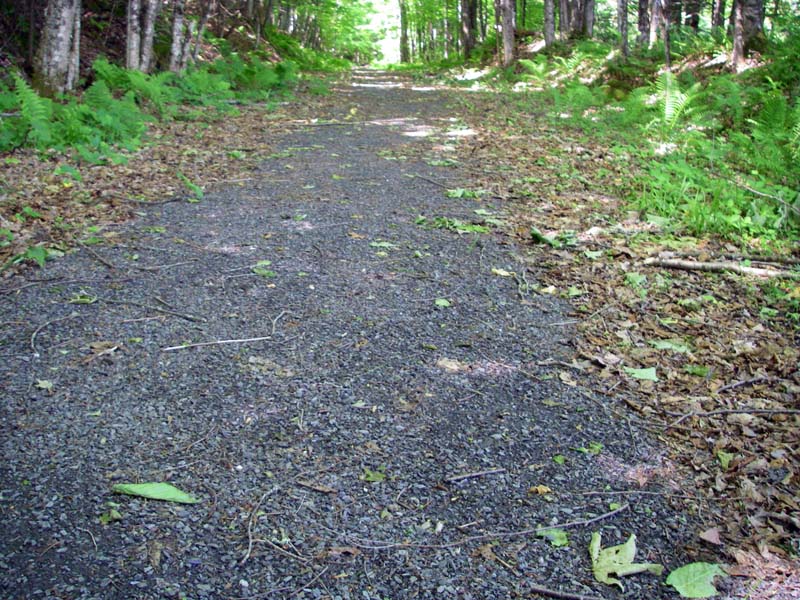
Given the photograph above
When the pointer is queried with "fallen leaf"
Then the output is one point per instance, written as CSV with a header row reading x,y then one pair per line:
x,y
648,374
155,491
617,560
539,489
695,580
451,365
711,536
557,537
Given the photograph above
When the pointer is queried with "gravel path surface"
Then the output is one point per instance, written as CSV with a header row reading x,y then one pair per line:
x,y
384,441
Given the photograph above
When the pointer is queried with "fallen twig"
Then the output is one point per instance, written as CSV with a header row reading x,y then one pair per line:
x,y
455,478
543,591
160,267
91,536
97,257
376,545
217,343
429,180
174,313
691,265
43,325
753,381
250,521
734,411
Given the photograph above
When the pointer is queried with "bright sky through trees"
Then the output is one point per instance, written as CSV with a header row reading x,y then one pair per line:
x,y
385,20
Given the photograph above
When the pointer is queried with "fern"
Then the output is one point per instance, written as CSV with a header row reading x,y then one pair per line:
x,y
36,114
675,105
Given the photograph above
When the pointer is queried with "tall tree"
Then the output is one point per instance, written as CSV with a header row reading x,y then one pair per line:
x,y
405,49
507,21
469,25
57,61
133,38
718,14
176,49
622,25
643,22
549,22
563,19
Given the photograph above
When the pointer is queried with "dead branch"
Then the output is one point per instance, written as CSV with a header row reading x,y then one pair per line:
x,y
216,343
43,325
777,199
429,180
753,381
97,257
166,311
735,411
691,265
377,545
455,478
543,591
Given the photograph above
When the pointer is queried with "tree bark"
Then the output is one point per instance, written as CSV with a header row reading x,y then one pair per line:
x,y
58,59
507,28
643,21
208,8
752,24
469,17
587,29
176,50
549,22
134,35
563,19
622,26
665,32
405,51
148,32
656,16
718,14
693,8
738,36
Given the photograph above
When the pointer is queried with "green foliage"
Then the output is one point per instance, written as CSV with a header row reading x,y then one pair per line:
x,y
675,105
36,114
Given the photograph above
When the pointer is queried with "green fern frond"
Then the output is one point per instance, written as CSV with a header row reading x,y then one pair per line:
x,y
36,113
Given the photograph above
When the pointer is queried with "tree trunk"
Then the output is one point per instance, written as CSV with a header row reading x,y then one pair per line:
x,y
73,71
656,16
665,25
753,25
587,28
58,58
208,8
549,22
643,22
150,15
469,17
563,19
576,18
738,36
622,26
186,50
176,50
718,14
134,35
405,51
693,8
507,8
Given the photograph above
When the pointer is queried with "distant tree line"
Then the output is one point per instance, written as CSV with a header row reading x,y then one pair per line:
x,y
436,29
54,40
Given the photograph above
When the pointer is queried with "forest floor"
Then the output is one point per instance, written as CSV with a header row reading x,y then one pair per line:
x,y
351,352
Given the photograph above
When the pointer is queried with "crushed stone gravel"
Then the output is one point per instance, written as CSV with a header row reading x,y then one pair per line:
x,y
379,443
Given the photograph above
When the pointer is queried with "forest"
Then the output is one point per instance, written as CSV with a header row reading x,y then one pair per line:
x,y
640,157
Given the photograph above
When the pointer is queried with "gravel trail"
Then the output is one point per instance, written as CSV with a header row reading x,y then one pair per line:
x,y
384,441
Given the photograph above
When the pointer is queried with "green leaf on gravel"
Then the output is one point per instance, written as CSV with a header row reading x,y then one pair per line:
x,y
556,537
260,268
617,560
648,374
559,459
695,580
539,238
44,384
376,476
155,491
82,298
593,254
383,245
109,517
442,302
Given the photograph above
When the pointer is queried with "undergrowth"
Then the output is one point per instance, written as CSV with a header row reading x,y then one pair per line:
x,y
717,156
112,113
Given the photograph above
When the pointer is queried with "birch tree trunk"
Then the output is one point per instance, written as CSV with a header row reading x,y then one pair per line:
x,y
150,15
405,50
176,50
57,61
507,23
549,22
738,36
622,26
134,35
656,16
186,50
